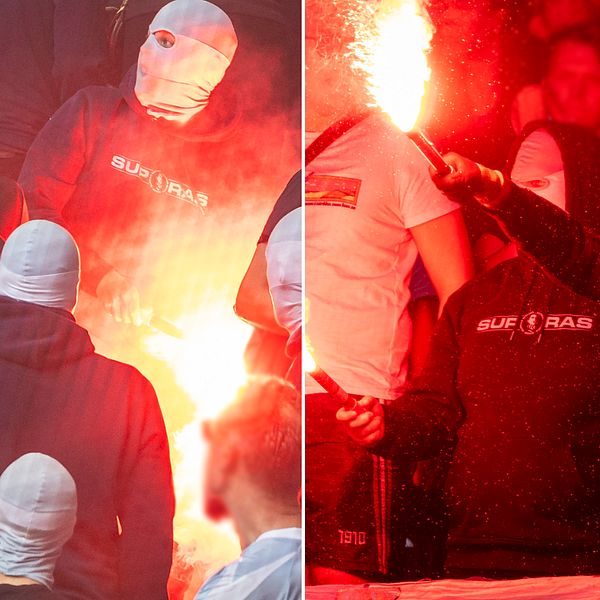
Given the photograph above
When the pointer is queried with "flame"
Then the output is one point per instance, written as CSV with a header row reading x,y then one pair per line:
x,y
392,53
308,361
208,365
208,362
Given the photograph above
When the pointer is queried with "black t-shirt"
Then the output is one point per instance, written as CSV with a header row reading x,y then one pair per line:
x,y
27,592
289,200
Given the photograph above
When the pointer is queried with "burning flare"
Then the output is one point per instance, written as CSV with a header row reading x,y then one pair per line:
x,y
392,53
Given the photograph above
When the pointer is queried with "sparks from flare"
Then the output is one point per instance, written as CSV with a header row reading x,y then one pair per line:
x,y
391,51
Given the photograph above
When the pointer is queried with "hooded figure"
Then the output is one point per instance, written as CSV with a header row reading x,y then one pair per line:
x,y
97,417
38,507
132,171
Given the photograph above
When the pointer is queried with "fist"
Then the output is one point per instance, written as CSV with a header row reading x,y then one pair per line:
x,y
469,179
367,426
121,299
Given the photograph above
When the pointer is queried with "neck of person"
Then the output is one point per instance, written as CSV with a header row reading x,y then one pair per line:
x,y
17,580
251,522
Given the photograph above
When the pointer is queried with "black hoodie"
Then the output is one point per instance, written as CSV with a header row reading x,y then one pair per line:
x,y
102,421
558,241
125,184
514,378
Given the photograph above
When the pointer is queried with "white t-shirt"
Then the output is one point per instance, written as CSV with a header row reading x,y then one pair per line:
x,y
363,194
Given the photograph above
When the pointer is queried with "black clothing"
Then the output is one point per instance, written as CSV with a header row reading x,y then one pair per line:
x,y
27,592
556,240
50,49
513,377
102,421
580,153
113,176
289,200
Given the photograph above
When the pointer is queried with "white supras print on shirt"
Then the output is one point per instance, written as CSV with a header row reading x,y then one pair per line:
x,y
363,194
533,322
159,182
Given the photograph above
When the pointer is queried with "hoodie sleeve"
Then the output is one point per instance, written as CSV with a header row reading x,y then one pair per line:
x,y
51,172
557,241
424,421
146,502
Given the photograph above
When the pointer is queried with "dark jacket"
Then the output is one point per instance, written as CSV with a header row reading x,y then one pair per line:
x,y
51,49
27,592
117,179
559,242
102,421
514,377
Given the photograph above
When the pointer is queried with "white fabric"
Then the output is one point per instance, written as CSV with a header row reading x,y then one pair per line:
x,y
539,167
535,588
38,506
284,271
40,264
175,83
359,260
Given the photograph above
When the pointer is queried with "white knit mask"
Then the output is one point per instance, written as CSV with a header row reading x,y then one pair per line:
x,y
38,509
40,264
175,83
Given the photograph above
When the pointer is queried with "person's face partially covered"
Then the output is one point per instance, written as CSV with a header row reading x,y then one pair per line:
x,y
189,47
572,85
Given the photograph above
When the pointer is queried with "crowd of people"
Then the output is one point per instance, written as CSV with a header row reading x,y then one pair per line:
x,y
118,122
483,460
459,311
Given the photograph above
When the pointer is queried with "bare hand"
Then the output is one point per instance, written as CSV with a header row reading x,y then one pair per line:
x,y
121,299
365,428
469,179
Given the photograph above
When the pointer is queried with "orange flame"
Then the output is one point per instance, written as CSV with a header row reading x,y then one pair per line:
x,y
308,361
208,365
392,54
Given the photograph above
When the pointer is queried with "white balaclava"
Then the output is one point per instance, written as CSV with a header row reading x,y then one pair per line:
x,y
38,510
40,264
539,167
284,271
175,83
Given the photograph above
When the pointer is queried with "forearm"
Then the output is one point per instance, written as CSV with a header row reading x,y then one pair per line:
x,y
417,429
556,240
424,421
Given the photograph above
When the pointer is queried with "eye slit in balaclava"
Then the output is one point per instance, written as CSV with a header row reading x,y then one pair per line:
x,y
189,47
165,38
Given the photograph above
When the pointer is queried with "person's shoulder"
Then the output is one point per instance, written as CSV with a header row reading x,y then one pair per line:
x,y
94,97
125,373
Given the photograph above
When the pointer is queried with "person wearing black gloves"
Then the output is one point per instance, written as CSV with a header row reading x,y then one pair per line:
x,y
558,241
510,389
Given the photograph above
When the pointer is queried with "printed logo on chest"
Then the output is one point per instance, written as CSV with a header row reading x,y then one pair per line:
x,y
329,190
159,182
533,322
